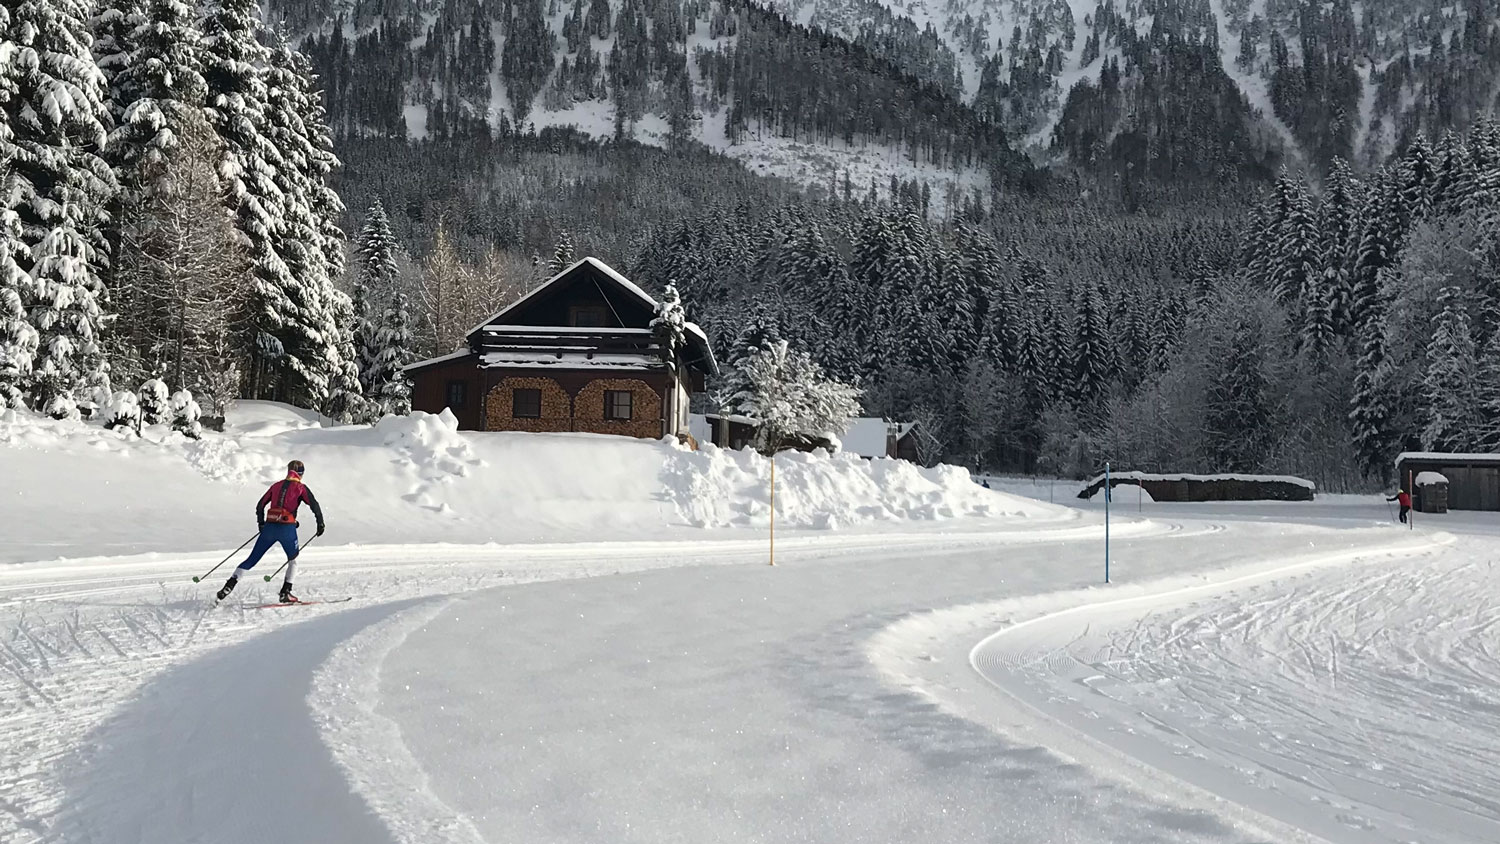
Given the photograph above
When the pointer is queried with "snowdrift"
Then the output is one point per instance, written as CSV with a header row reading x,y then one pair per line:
x,y
78,489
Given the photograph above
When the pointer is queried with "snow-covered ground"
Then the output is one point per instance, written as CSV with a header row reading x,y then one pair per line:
x,y
930,662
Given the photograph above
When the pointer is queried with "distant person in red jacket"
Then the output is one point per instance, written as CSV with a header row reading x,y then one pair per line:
x,y
279,525
1405,498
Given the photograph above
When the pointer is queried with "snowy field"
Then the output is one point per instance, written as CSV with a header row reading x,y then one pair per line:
x,y
929,661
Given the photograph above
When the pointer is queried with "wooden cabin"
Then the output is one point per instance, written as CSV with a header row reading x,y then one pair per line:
x,y
1473,480
578,353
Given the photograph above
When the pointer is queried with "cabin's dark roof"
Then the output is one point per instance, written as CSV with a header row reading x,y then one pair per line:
x,y
629,305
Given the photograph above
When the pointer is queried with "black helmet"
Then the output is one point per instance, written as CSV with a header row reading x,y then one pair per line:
x,y
296,466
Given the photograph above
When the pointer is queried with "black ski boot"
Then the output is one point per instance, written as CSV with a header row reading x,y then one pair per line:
x,y
228,587
286,595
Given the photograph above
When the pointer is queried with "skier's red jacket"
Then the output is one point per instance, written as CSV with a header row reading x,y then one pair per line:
x,y
1404,498
283,497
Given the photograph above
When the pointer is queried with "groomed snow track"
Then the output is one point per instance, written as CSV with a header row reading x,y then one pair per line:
x,y
588,693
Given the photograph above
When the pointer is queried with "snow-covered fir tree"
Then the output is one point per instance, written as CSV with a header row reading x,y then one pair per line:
x,y
155,402
787,392
186,415
1451,382
562,254
1093,352
375,279
58,187
18,339
1488,396
348,397
156,88
669,326
1240,411
390,390
1370,413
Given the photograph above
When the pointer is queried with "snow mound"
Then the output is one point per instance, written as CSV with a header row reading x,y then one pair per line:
x,y
1431,478
419,479
716,487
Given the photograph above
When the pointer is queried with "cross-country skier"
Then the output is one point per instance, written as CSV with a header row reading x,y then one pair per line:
x,y
1405,498
279,525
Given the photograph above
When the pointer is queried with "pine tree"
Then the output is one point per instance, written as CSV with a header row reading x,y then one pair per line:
x,y
56,185
297,305
347,395
1451,382
1370,412
1381,238
18,339
562,255
1093,352
375,282
1487,397
155,402
391,392
1240,409
1454,182
234,63
1418,176
1295,259
112,26
1317,334
157,88
1338,222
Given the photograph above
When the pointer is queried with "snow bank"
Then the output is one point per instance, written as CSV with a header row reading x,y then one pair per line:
x,y
716,487
1430,478
91,491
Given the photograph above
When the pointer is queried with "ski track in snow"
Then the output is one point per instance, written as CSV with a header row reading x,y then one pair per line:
x,y
79,639
1353,698
1351,713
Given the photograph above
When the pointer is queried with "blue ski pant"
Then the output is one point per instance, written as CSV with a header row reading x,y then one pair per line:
x,y
270,534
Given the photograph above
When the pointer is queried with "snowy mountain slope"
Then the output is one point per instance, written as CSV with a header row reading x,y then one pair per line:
x,y
1351,79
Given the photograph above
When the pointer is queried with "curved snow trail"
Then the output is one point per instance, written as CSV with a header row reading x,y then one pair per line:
x,y
221,749
738,704
1358,703
81,638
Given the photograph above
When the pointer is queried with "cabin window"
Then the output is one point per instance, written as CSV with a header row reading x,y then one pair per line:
x,y
526,404
458,394
617,405
586,316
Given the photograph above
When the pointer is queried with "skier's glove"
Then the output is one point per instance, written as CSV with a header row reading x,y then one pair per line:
x,y
320,529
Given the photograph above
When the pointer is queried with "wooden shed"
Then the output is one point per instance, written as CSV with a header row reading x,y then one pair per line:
x,y
1473,479
1175,487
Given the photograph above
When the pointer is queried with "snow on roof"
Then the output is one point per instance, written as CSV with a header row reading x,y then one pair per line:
x,y
572,359
708,350
1450,457
1430,478
549,330
1180,476
630,287
734,417
440,359
866,436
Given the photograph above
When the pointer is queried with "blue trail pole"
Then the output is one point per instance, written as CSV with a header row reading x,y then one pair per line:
x,y
1108,494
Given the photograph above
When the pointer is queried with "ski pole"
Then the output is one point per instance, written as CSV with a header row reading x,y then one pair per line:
x,y
226,559
284,565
